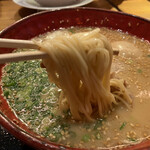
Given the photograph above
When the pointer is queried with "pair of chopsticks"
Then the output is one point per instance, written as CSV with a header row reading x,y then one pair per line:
x,y
29,55
15,57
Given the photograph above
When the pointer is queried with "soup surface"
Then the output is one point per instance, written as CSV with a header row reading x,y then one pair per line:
x,y
35,101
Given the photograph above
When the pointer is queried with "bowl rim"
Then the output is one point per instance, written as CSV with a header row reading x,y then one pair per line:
x,y
78,8
30,139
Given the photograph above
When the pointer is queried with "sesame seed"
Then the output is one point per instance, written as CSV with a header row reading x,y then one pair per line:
x,y
93,140
115,138
104,132
99,128
63,138
89,130
137,125
115,130
132,125
117,117
129,24
80,145
145,134
62,132
108,139
118,134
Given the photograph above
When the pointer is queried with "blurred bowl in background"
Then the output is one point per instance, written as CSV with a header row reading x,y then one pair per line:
x,y
56,3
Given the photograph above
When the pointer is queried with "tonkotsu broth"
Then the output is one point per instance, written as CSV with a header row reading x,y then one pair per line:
x,y
122,126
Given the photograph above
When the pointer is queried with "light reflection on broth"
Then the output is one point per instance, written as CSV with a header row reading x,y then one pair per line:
x,y
122,126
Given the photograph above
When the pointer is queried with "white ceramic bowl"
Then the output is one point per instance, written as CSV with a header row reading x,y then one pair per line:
x,y
55,3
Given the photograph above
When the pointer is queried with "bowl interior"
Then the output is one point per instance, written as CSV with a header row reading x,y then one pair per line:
x,y
42,22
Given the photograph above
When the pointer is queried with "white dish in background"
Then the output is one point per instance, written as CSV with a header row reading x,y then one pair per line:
x,y
34,5
56,3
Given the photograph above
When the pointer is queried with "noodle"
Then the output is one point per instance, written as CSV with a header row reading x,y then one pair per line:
x,y
80,65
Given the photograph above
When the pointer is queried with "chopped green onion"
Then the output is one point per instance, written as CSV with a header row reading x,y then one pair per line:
x,y
71,30
148,55
87,125
72,134
130,61
131,139
123,125
6,93
139,71
86,138
98,124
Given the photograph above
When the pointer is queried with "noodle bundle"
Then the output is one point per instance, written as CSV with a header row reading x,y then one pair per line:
x,y
80,65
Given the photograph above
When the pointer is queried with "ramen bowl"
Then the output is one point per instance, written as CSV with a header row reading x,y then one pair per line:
x,y
43,22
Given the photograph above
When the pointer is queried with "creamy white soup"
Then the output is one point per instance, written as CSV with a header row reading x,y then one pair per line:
x,y
35,100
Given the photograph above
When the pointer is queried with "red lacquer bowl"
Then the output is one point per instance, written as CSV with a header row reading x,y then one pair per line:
x,y
42,22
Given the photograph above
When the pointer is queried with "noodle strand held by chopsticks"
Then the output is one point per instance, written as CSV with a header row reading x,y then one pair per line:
x,y
80,65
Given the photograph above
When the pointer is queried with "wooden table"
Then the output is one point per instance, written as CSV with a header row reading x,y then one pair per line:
x,y
10,12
